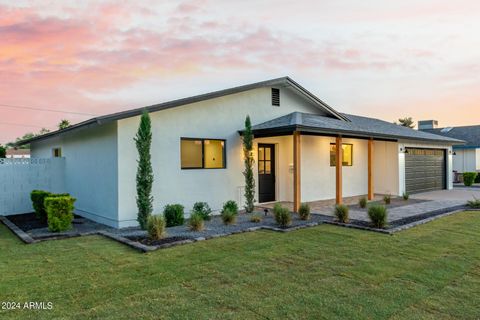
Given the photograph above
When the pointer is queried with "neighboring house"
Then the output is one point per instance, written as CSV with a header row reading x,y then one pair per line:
x,y
18,153
197,153
466,157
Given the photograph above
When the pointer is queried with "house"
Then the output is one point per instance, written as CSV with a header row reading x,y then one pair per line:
x,y
466,157
304,150
17,153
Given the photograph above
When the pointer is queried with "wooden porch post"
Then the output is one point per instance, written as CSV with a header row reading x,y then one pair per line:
x,y
370,169
296,171
338,170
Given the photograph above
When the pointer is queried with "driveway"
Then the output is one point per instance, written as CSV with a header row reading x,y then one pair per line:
x,y
456,194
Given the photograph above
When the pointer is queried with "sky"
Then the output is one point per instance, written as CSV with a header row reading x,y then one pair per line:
x,y
384,59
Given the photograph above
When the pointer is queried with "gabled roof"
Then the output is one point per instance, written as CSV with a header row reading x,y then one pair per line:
x,y
278,82
469,134
357,127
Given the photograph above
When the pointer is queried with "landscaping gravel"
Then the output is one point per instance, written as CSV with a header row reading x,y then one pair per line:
x,y
215,226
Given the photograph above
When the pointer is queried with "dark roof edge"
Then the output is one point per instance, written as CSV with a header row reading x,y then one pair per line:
x,y
184,101
307,129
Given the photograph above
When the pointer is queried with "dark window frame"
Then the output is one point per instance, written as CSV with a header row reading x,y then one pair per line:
x,y
54,152
343,165
224,164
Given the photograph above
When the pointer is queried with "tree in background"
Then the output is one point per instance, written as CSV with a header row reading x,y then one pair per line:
x,y
3,152
43,131
406,122
143,140
63,124
249,161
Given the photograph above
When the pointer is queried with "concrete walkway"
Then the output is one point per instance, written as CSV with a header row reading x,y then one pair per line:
x,y
457,194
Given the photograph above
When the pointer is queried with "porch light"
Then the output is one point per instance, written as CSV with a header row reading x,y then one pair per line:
x,y
406,150
454,153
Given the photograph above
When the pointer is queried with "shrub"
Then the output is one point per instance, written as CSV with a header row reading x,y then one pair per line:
x,y
477,179
362,202
304,211
173,215
156,227
282,215
196,222
469,178
144,179
341,212
256,218
228,216
474,204
231,206
378,216
38,197
59,212
38,202
405,196
203,209
387,199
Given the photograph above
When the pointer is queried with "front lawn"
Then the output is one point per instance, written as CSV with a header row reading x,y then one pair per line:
x,y
431,271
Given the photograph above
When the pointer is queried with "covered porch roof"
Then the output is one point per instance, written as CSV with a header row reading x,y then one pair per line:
x,y
358,127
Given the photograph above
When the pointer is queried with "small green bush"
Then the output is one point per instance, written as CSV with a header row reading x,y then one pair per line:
x,y
405,196
174,215
341,212
304,211
59,212
282,215
256,218
477,179
362,202
203,209
378,215
469,178
228,216
38,197
196,222
387,199
230,205
156,227
474,204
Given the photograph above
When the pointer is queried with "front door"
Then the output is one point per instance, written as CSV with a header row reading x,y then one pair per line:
x,y
266,172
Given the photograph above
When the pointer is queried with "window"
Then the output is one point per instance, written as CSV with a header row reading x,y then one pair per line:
x,y
264,160
57,152
202,153
347,152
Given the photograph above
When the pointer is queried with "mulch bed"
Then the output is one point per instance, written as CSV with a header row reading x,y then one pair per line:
x,y
394,203
28,221
396,223
149,242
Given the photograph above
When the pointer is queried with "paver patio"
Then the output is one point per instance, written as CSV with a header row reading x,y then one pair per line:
x,y
433,201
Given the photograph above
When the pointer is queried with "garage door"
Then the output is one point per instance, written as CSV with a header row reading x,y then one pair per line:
x,y
424,170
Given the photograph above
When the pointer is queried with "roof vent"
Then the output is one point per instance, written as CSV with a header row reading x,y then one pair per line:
x,y
447,129
275,97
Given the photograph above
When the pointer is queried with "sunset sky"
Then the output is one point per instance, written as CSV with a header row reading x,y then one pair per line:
x,y
384,59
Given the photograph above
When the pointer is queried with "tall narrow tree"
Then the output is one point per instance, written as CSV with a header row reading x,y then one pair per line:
x,y
143,140
249,161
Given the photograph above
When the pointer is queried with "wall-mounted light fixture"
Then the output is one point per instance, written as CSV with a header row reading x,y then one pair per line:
x,y
454,153
406,150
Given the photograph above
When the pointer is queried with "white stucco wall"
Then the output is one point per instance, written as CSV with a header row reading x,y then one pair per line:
x,y
386,167
318,177
219,118
466,160
90,169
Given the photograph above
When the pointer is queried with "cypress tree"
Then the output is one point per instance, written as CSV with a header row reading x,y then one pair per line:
x,y
249,161
143,140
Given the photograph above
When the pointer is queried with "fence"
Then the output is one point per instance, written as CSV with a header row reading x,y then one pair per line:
x,y
18,177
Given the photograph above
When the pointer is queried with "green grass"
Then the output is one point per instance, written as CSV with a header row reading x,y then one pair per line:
x,y
431,271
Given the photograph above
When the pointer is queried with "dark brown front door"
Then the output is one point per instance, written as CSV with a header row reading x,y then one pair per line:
x,y
266,172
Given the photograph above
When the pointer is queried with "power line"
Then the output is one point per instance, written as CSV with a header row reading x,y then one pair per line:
x,y
48,110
